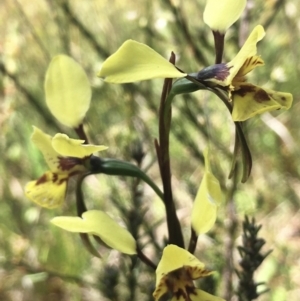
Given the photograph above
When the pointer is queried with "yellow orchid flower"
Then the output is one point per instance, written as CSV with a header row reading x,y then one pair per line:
x,y
135,61
248,99
96,222
220,15
65,158
207,201
68,91
175,274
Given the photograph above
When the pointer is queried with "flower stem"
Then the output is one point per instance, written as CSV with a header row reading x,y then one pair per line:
x,y
240,140
163,155
193,241
81,133
219,46
116,167
145,259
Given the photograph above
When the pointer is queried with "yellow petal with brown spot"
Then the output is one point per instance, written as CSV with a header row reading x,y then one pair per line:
x,y
48,191
252,100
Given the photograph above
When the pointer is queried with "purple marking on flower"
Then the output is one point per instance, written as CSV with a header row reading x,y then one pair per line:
x,y
217,72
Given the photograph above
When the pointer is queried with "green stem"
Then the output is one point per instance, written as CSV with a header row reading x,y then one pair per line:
x,y
181,86
240,140
240,137
114,167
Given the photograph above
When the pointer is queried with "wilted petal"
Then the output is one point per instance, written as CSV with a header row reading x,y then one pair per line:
x,y
44,143
251,100
68,147
48,191
207,200
99,223
68,91
247,51
135,61
220,15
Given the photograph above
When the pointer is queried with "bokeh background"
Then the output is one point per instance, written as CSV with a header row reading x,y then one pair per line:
x,y
41,262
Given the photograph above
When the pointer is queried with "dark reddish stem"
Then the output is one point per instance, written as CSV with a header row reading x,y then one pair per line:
x,y
163,154
145,259
219,46
81,133
193,241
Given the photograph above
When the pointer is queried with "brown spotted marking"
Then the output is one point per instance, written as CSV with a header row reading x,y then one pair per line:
x,y
67,163
54,177
185,294
42,179
261,96
244,90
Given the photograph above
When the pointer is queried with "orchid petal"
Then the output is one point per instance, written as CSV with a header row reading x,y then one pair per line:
x,y
68,147
208,198
251,63
68,91
251,100
135,61
175,258
220,15
97,222
43,142
48,191
248,50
